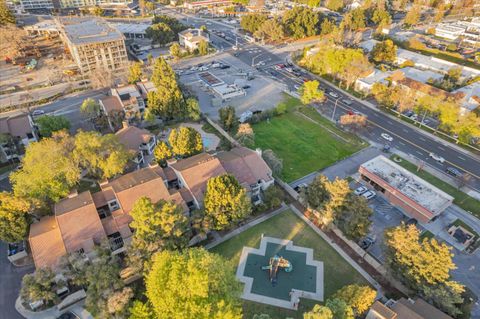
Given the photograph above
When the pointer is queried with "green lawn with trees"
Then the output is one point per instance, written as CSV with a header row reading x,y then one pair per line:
x,y
287,225
304,140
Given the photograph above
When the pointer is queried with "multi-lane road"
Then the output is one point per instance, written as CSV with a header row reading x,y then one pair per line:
x,y
406,137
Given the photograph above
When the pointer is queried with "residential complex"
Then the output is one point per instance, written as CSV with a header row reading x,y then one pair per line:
x,y
93,43
83,220
416,197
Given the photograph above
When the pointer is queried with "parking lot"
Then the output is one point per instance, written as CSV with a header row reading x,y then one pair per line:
x,y
261,92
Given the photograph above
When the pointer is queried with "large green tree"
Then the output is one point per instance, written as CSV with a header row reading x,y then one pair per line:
x,y
318,312
48,170
301,22
167,101
354,19
309,92
160,33
385,51
252,22
381,18
335,5
103,156
135,72
359,298
162,153
90,108
353,218
158,226
193,284
340,309
413,16
228,118
226,201
271,29
39,286
185,141
48,124
13,217
193,109
6,16
424,266
203,47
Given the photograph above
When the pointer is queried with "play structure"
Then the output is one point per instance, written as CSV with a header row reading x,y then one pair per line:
x,y
275,263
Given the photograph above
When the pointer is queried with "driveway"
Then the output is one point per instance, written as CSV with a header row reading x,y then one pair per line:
x,y
10,279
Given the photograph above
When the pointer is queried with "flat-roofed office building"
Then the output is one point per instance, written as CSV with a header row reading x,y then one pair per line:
x,y
93,43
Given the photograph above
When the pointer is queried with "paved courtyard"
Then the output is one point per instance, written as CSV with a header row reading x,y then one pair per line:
x,y
280,286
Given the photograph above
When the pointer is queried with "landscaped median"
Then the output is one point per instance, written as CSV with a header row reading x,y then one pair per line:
x,y
337,271
461,199
304,140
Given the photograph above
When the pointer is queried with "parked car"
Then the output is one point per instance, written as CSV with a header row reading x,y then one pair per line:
x,y
347,101
224,66
453,171
386,148
333,94
246,87
360,190
299,187
387,137
408,113
369,194
38,112
436,157
366,242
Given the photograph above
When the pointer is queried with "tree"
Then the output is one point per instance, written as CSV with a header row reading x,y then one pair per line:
x,y
335,5
381,18
48,124
90,108
261,316
271,29
158,226
103,281
140,310
359,298
316,193
301,22
226,201
327,26
150,6
135,73
48,171
38,286
6,16
175,50
353,218
193,109
245,134
13,218
273,161
385,51
354,19
340,309
160,33
118,303
252,22
413,16
203,47
200,285
468,126
175,25
185,141
162,152
310,92
103,156
319,312
228,118
424,266
273,196
98,11
167,100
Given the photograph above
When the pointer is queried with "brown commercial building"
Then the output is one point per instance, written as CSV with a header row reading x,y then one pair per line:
x,y
416,197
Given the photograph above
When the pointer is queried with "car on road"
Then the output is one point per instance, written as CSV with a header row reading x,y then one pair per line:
x,y
437,157
224,66
366,242
453,171
300,187
333,94
347,101
386,137
38,112
369,194
246,87
360,190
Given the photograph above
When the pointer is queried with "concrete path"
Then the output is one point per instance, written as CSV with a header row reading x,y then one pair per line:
x,y
246,226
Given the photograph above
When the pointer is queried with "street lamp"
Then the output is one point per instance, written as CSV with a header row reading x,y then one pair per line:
x,y
335,108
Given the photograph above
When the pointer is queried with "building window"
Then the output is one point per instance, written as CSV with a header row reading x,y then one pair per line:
x,y
113,205
115,240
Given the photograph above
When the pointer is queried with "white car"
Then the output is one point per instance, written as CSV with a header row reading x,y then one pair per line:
x,y
369,195
333,94
359,191
387,137
38,112
436,157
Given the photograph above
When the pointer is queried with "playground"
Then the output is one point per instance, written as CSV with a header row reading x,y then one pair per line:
x,y
279,273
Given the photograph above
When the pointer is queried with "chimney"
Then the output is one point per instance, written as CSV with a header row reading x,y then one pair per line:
x,y
73,194
125,124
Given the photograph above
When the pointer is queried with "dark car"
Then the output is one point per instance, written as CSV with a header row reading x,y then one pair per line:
x,y
453,171
246,87
68,315
223,67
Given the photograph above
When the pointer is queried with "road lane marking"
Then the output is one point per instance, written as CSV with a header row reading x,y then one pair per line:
x,y
402,143
418,152
461,158
423,139
405,130
441,148
390,122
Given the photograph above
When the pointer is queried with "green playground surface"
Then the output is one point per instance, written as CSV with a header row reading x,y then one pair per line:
x,y
302,277
337,271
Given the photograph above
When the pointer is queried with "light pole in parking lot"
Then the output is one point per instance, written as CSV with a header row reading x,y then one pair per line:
x,y
335,108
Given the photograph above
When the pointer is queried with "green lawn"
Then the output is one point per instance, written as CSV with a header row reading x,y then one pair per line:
x,y
337,272
304,145
461,199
